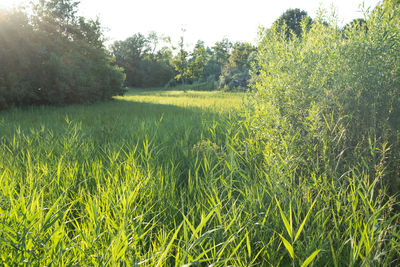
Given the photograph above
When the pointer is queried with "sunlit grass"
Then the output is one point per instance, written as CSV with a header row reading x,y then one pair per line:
x,y
215,100
173,178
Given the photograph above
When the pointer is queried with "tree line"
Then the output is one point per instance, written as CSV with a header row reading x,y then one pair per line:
x,y
53,56
153,61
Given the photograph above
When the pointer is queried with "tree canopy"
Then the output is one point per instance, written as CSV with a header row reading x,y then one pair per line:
x,y
52,56
290,22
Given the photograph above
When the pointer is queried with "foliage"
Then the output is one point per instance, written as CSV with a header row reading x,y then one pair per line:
x,y
223,66
235,74
198,61
219,57
290,22
356,23
180,62
351,77
296,174
147,66
144,64
128,55
54,57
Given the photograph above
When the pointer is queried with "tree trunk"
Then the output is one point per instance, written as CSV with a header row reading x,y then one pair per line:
x,y
183,83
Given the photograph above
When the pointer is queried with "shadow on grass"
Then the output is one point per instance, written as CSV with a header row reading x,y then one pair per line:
x,y
161,136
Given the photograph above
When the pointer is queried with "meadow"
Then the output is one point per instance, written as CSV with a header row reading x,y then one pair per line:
x,y
167,178
284,153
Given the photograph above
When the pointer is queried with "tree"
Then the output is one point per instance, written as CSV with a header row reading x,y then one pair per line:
x,y
290,22
180,62
56,16
129,55
235,74
153,40
144,64
220,53
198,61
52,56
91,32
358,24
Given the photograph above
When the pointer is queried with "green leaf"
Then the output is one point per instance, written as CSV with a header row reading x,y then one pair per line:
x,y
160,261
304,221
310,258
248,245
288,246
288,225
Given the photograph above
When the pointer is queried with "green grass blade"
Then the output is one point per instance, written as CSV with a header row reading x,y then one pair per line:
x,y
304,221
310,258
288,246
288,225
164,255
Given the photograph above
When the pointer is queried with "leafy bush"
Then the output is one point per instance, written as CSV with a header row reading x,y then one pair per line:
x,y
326,112
350,79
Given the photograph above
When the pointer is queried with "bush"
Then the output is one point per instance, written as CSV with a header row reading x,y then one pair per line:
x,y
350,80
326,112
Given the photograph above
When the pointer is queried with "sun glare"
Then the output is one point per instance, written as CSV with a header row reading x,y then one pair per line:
x,y
11,3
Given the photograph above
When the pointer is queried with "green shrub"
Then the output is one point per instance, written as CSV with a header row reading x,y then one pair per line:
x,y
349,79
326,113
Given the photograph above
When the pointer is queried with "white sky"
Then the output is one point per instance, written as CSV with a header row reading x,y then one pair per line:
x,y
207,20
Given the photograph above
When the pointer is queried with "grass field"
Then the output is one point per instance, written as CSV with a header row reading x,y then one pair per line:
x,y
166,178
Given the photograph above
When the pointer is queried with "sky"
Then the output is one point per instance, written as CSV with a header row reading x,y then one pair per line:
x,y
207,20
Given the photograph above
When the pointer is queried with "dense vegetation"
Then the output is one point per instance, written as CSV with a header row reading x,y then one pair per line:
x,y
349,78
54,57
224,66
302,170
327,103
104,185
144,64
290,22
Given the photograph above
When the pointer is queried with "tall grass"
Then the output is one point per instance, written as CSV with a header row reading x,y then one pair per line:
x,y
185,182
